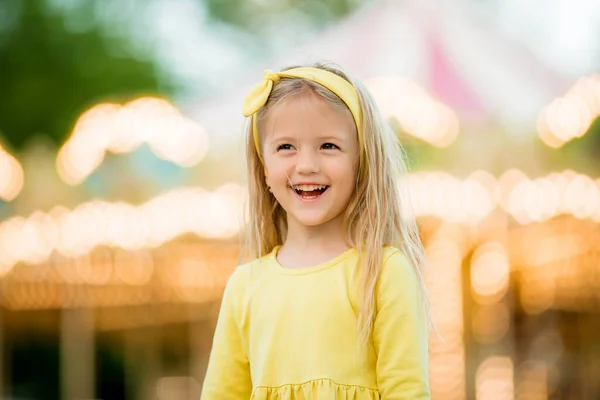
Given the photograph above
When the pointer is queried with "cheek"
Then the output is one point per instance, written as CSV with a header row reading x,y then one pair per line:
x,y
275,175
274,181
347,170
278,167
271,169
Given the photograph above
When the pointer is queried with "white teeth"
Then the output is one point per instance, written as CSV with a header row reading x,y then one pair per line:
x,y
309,188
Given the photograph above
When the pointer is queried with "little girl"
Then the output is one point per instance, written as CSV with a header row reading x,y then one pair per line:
x,y
334,305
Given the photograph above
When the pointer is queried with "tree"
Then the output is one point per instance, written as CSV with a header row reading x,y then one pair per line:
x,y
259,16
50,73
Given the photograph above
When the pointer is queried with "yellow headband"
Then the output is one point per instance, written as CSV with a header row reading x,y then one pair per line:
x,y
259,94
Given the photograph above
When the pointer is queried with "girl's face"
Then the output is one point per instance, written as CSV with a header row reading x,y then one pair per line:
x,y
310,152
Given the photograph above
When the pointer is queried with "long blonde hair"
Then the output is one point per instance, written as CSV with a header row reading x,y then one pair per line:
x,y
374,217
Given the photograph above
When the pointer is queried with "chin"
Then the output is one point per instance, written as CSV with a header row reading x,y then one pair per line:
x,y
311,220
311,223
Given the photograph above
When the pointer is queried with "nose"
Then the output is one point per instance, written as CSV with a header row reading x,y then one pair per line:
x,y
307,162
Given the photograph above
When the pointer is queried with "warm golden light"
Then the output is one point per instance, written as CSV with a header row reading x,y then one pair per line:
x,y
532,381
537,289
11,176
471,200
480,190
596,213
134,268
95,223
447,359
122,129
490,323
570,116
494,379
418,113
221,213
582,196
490,271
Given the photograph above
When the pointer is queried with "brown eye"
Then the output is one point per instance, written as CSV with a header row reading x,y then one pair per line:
x,y
329,146
285,147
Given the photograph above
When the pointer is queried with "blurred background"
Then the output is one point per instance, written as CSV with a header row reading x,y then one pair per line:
x,y
122,182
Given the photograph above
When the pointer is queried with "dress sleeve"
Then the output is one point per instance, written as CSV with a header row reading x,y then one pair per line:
x,y
228,373
400,333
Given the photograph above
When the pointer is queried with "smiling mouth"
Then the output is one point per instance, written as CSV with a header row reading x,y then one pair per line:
x,y
310,193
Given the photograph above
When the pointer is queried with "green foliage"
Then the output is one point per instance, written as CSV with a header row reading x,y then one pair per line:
x,y
56,62
583,154
50,71
256,16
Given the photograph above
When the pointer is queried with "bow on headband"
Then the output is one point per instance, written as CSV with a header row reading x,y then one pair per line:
x,y
259,94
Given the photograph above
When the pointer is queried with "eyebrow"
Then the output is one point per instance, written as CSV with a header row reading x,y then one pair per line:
x,y
288,138
332,137
273,138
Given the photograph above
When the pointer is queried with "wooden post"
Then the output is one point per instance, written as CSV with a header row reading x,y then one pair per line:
x,y
201,332
1,353
143,362
77,354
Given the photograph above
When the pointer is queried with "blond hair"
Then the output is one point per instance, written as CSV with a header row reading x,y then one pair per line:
x,y
373,218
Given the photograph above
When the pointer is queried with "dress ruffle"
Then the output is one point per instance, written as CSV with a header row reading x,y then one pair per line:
x,y
321,389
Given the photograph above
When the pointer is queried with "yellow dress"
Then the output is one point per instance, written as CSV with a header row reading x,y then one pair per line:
x,y
292,334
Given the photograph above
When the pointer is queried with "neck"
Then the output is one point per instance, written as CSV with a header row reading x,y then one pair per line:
x,y
328,236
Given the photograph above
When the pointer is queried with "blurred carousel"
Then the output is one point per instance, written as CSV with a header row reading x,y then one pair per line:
x,y
128,292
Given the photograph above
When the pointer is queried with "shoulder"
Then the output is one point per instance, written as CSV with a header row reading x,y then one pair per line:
x,y
395,261
244,274
397,272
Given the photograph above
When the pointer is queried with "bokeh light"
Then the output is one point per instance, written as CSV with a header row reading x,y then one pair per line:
x,y
447,358
74,233
490,273
494,379
116,245
11,176
122,129
220,214
419,114
570,116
